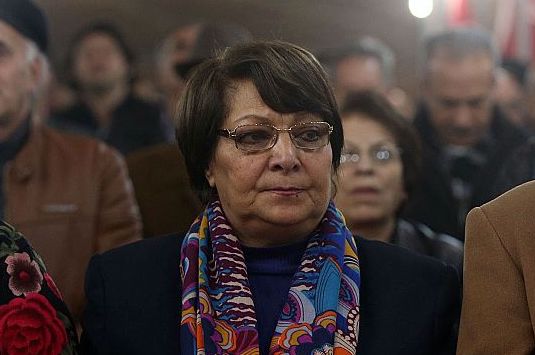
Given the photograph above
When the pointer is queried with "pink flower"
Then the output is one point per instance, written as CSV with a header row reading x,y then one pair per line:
x,y
25,274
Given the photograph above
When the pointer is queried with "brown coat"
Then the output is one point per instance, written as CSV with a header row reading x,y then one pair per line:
x,y
71,197
163,192
498,312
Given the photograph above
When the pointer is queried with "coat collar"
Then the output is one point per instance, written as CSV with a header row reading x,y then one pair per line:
x,y
30,160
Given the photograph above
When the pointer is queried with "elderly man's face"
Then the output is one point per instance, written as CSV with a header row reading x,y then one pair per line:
x,y
458,93
18,78
511,97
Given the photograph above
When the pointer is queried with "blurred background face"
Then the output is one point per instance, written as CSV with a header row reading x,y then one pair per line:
x,y
357,73
369,190
458,93
17,79
510,96
176,49
99,63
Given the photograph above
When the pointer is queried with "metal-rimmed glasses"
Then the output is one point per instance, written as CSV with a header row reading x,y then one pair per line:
x,y
260,136
380,154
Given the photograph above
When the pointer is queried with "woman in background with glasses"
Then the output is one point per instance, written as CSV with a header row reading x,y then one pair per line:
x,y
380,164
269,267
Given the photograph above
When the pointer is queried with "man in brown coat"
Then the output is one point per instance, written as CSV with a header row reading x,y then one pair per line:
x,y
69,195
498,311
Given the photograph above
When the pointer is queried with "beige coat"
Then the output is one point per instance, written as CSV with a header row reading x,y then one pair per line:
x,y
498,312
71,197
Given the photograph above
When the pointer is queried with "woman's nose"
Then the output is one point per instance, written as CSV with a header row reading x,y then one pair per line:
x,y
365,164
284,154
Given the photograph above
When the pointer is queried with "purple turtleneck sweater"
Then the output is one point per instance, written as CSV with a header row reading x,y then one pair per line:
x,y
270,272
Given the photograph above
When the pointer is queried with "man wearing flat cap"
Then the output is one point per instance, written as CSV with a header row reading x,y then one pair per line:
x,y
70,195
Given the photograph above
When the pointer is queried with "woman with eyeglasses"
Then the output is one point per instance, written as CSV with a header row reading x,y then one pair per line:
x,y
269,266
380,164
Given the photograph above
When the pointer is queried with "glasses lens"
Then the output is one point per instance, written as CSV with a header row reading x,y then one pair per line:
x,y
384,154
254,137
311,135
349,157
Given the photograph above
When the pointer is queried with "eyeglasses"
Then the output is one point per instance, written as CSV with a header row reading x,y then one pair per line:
x,y
380,155
260,137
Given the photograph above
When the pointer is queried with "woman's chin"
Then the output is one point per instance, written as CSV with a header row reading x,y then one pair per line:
x,y
365,216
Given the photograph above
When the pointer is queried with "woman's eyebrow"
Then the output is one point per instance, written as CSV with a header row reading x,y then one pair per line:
x,y
252,117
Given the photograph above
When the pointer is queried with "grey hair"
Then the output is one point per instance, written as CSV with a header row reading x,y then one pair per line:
x,y
460,43
33,53
365,47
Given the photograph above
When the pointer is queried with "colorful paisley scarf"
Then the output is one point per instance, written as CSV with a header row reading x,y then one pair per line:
x,y
321,313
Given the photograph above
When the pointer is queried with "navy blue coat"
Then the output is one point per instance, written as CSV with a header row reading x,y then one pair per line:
x,y
409,303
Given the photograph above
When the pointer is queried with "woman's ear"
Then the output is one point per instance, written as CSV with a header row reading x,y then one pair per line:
x,y
210,176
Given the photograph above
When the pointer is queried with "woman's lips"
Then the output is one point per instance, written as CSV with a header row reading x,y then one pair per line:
x,y
286,191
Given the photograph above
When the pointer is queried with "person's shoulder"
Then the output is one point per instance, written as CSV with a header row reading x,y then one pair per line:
x,y
518,202
383,261
439,239
421,238
11,242
137,267
73,140
409,302
74,144
161,248
386,253
8,233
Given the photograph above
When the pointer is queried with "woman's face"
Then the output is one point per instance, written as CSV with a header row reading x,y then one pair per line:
x,y
273,197
370,188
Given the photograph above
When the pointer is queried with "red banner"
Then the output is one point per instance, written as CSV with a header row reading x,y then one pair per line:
x,y
514,28
459,13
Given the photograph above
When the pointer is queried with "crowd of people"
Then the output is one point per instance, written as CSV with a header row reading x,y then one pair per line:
x,y
258,198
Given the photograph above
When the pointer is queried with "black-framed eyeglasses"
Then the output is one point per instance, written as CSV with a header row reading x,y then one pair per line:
x,y
259,137
379,154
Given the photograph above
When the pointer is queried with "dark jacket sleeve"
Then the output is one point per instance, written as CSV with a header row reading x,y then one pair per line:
x,y
93,339
448,311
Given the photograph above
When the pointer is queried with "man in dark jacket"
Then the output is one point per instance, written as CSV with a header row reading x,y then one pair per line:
x,y
100,66
465,137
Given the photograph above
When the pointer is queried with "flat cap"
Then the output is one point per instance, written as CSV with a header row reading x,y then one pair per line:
x,y
27,18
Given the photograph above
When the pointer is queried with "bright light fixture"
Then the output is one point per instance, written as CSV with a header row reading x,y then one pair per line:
x,y
421,8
